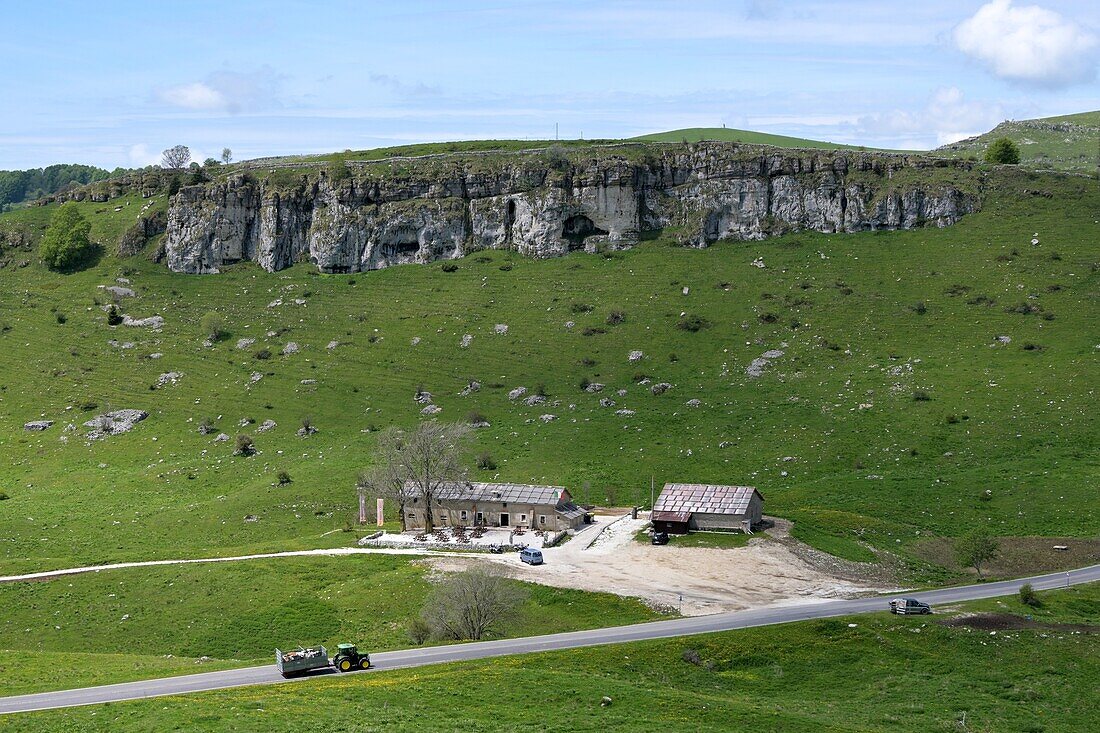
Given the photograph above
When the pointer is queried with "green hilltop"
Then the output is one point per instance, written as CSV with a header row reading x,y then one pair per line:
x,y
1065,143
723,134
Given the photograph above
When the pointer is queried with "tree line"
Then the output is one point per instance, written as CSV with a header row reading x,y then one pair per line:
x,y
18,186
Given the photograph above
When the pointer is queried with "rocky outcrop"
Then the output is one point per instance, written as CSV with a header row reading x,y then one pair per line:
x,y
373,215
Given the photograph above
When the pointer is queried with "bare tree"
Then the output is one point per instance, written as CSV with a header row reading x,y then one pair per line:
x,y
176,157
467,605
227,155
415,466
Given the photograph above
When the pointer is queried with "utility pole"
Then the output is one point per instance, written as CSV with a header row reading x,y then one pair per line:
x,y
555,130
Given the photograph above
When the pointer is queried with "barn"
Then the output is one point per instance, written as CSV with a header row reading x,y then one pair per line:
x,y
684,507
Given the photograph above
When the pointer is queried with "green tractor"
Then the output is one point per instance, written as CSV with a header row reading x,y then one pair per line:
x,y
348,658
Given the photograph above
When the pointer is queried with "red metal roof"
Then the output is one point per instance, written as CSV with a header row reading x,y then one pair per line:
x,y
671,516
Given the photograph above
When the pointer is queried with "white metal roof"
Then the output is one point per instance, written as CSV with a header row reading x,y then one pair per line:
x,y
705,499
513,493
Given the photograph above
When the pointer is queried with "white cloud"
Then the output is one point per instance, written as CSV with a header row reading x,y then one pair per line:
x,y
947,117
1028,44
141,156
226,91
195,96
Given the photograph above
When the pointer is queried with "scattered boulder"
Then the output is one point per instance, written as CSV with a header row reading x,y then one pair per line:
x,y
332,345
119,292
693,403
113,423
535,399
431,410
245,343
624,413
548,417
594,387
467,339
605,402
221,438
500,329
422,397
291,348
516,393
266,425
660,388
308,381
37,425
636,356
415,340
470,388
154,322
168,378
307,430
756,367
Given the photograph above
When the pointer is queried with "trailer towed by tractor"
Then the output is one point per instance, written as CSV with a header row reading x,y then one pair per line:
x,y
309,659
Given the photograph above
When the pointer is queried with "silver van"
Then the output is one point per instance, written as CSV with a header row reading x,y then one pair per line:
x,y
531,556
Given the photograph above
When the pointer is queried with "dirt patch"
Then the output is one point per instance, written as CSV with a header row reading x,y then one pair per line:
x,y
1018,556
1010,621
884,573
694,581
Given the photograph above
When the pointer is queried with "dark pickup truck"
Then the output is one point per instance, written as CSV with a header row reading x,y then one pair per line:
x,y
906,606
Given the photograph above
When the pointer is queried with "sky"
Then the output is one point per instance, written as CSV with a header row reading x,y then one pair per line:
x,y
113,83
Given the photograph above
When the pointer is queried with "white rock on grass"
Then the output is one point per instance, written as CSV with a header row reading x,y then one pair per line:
x,y
594,387
422,397
431,410
221,438
154,322
37,425
500,329
660,388
548,417
119,292
245,343
332,345
516,393
470,388
756,367
156,355
266,425
169,378
606,402
255,377
624,413
467,339
415,340
535,399
693,403
291,348
113,423
636,356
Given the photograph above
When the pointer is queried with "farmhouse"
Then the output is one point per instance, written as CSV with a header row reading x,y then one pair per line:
x,y
467,504
682,507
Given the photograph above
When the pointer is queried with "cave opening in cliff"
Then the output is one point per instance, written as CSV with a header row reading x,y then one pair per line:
x,y
578,228
509,219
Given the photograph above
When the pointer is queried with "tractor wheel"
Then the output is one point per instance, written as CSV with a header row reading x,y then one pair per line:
x,y
364,663
344,665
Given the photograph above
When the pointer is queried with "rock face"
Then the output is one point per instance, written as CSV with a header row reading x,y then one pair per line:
x,y
419,210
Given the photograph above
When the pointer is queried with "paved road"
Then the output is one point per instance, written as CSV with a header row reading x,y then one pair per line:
x,y
479,650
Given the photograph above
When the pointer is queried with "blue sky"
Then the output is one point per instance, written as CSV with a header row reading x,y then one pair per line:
x,y
114,83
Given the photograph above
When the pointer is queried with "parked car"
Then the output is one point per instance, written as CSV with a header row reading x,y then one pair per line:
x,y
906,606
531,556
659,538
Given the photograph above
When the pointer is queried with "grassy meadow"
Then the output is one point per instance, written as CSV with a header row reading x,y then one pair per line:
x,y
899,672
724,134
894,414
134,623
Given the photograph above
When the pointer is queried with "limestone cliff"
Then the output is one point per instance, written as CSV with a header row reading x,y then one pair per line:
x,y
363,216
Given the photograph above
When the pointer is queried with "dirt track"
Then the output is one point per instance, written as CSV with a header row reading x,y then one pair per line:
x,y
763,573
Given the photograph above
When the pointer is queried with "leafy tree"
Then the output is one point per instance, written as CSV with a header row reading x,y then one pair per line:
x,y
212,325
176,157
65,243
976,549
1002,151
227,155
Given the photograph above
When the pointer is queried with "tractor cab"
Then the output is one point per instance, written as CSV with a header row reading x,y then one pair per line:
x,y
348,658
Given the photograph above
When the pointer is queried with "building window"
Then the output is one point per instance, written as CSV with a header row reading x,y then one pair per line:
x,y
522,518
542,519
463,515
480,518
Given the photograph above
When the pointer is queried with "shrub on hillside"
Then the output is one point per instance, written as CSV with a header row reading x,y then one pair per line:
x,y
485,462
1028,597
65,245
1002,151
284,478
615,317
692,323
114,318
212,326
244,446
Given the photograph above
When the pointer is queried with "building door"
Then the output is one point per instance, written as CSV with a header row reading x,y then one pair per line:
x,y
503,520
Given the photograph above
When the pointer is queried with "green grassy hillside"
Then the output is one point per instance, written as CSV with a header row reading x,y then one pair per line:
x,y
723,134
912,673
1069,142
892,416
